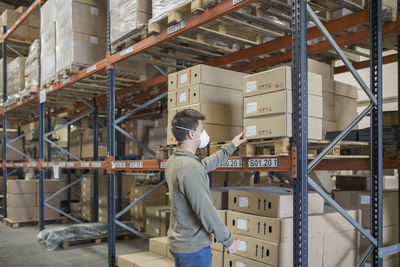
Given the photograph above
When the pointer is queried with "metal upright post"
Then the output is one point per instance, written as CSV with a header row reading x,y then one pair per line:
x,y
96,157
111,148
119,154
300,134
41,144
376,127
69,170
49,146
4,46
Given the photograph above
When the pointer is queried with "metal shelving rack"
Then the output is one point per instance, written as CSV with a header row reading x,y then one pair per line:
x,y
298,163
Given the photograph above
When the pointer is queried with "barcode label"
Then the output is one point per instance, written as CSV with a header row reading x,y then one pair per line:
x,y
232,163
119,165
91,69
126,51
176,27
136,164
71,164
96,164
85,164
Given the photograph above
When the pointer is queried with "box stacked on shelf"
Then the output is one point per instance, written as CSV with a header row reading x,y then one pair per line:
x,y
268,104
76,209
48,42
157,220
128,16
215,92
23,200
27,31
157,198
138,129
32,69
15,79
11,154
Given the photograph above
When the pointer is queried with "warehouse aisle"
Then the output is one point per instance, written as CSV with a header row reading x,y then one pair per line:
x,y
19,248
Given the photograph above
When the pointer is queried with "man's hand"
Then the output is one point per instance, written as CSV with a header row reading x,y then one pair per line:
x,y
233,248
238,140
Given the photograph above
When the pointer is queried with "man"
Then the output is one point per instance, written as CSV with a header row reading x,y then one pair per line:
x,y
193,216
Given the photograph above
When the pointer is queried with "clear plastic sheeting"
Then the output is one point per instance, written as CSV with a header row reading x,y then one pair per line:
x,y
127,16
16,76
48,41
32,69
53,238
161,8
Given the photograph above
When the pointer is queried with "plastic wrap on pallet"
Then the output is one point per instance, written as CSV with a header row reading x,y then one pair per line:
x,y
161,8
80,34
32,69
127,16
48,41
52,238
16,76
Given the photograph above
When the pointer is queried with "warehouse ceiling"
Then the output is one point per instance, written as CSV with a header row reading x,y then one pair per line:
x,y
18,3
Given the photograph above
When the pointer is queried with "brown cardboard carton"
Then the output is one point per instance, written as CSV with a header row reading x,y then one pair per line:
x,y
214,244
22,214
220,196
159,262
215,113
217,258
2,182
158,245
21,200
157,215
205,75
328,99
334,222
277,79
154,230
346,258
279,126
8,18
49,213
279,102
273,253
139,190
50,186
347,90
328,85
154,200
389,237
129,260
217,133
55,201
22,187
274,202
203,93
339,242
361,200
270,229
321,68
235,260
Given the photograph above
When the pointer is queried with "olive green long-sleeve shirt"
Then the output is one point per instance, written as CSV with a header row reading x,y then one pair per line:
x,y
193,216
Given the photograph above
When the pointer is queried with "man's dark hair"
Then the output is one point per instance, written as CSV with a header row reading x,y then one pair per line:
x,y
187,118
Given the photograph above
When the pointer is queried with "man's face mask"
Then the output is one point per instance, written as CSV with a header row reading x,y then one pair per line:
x,y
204,138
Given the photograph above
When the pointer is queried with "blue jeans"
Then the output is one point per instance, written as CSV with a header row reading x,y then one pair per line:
x,y
201,258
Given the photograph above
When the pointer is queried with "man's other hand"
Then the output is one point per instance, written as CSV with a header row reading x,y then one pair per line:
x,y
238,140
233,248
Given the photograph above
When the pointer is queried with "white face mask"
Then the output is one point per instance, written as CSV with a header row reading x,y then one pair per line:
x,y
204,138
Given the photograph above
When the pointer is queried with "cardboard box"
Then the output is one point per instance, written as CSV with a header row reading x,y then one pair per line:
x,y
361,200
279,126
334,222
279,102
8,18
214,244
2,182
130,260
273,253
270,229
328,126
389,237
55,202
217,133
21,200
23,214
278,79
220,196
321,68
159,245
328,85
339,242
345,110
159,262
154,200
347,90
50,186
274,202
49,213
157,215
215,113
155,230
217,258
205,75
22,187
346,258
139,190
203,93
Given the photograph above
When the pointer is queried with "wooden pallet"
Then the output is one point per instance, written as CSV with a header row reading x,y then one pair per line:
x,y
215,146
179,14
129,39
73,69
96,240
17,224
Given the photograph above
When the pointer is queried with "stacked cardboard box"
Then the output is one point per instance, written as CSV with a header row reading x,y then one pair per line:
x,y
11,154
268,104
29,30
138,212
157,220
16,76
103,211
76,209
82,143
138,129
23,200
215,92
48,41
32,69
2,182
127,16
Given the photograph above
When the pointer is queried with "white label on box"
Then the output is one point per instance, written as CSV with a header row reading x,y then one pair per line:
x,y
251,131
242,224
240,264
42,96
184,78
251,108
243,202
157,214
182,98
365,200
94,40
163,164
147,221
94,11
242,246
163,214
157,231
251,86
56,171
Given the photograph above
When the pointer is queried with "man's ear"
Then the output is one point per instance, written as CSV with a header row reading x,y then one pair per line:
x,y
190,135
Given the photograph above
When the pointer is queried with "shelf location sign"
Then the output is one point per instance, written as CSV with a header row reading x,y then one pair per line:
x,y
263,163
232,163
43,96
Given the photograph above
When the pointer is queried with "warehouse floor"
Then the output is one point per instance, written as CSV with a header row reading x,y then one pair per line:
x,y
18,247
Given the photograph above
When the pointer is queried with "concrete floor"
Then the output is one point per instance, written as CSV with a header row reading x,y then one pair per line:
x,y
18,247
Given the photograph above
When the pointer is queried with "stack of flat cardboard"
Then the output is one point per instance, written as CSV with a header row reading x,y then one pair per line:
x,y
268,104
157,220
23,200
215,92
